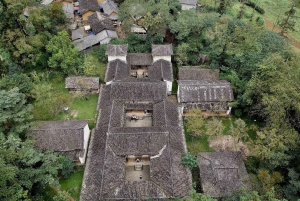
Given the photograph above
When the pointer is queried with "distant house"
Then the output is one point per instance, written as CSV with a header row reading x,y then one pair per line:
x,y
69,10
68,138
87,8
201,88
46,2
82,84
110,8
101,38
116,52
138,29
222,173
162,52
162,70
188,4
99,22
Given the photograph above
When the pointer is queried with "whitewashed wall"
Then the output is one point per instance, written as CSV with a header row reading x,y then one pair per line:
x,y
111,58
167,58
169,86
187,7
86,132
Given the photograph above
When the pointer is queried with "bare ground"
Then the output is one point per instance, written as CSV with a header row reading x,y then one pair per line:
x,y
74,113
227,143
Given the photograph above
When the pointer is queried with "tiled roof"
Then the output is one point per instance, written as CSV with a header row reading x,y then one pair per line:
x,y
61,136
205,91
162,50
100,21
110,7
117,70
222,173
188,2
194,73
88,5
116,50
161,69
143,59
77,34
82,83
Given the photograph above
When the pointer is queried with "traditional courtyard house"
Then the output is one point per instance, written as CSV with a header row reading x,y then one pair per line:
x,y
222,173
188,4
201,88
162,70
82,84
139,64
116,52
68,138
87,8
136,149
110,8
162,52
100,22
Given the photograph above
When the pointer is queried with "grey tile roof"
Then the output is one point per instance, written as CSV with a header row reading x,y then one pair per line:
x,y
65,137
99,38
161,69
188,2
46,2
110,7
69,10
162,50
116,50
194,73
88,5
143,59
77,34
82,83
100,21
117,70
138,90
205,91
222,173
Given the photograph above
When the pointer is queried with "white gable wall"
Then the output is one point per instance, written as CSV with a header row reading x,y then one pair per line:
x,y
111,58
167,58
187,6
169,86
86,135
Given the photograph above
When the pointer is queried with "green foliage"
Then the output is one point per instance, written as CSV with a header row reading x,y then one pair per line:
x,y
63,54
260,21
255,6
182,54
214,127
67,166
194,123
62,196
14,113
269,180
189,160
194,196
292,189
239,130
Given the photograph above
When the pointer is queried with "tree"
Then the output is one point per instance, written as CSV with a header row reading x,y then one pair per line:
x,y
189,160
288,22
67,166
292,189
214,127
239,130
14,113
269,180
194,196
194,123
182,54
63,54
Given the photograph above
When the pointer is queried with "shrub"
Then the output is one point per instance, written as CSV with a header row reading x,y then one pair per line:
x,y
255,7
189,160
260,21
67,166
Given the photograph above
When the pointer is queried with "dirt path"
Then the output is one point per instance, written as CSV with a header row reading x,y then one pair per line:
x,y
270,25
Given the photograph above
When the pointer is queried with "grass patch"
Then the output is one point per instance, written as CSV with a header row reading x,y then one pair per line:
x,y
49,193
174,87
73,183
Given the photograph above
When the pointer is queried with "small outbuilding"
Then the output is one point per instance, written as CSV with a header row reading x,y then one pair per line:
x,y
162,52
87,8
68,138
222,173
69,10
82,84
197,73
111,9
188,4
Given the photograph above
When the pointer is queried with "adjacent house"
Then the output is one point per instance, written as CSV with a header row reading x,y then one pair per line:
x,y
222,173
82,84
188,4
99,22
77,34
69,10
201,88
87,8
136,149
101,38
116,52
162,70
162,52
110,8
68,138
